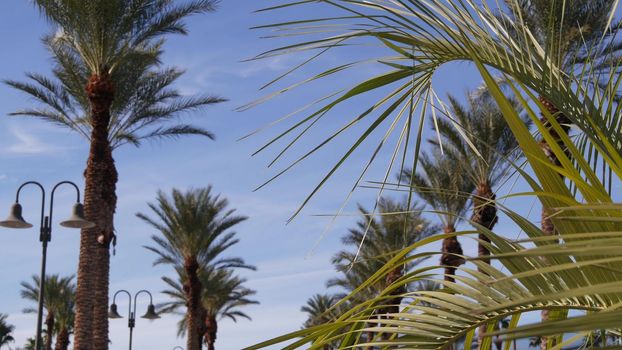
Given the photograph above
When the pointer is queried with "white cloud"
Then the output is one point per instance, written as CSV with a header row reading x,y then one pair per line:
x,y
29,144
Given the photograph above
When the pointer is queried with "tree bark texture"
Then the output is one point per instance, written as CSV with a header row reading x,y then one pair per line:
x,y
192,288
62,339
49,326
211,330
91,323
451,251
484,214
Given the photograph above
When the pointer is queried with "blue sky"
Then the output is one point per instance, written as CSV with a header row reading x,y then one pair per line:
x,y
292,260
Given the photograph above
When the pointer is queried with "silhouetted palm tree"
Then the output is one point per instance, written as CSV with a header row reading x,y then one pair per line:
x,y
107,87
58,301
194,232
319,309
5,331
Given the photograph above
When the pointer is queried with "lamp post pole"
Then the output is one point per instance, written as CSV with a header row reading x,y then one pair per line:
x,y
15,220
131,322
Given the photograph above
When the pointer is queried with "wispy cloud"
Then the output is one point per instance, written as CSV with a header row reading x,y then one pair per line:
x,y
27,143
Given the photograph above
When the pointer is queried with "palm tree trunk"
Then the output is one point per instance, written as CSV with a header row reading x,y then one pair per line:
x,y
394,303
484,214
192,288
449,258
49,325
211,329
91,323
547,224
62,340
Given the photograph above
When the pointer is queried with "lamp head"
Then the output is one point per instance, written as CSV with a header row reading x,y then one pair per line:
x,y
151,313
113,313
15,219
77,220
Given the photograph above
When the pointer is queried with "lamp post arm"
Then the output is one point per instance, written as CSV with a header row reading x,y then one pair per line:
x,y
136,297
54,190
19,190
129,297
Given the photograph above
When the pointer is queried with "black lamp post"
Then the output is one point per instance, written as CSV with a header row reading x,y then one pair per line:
x,y
131,322
15,220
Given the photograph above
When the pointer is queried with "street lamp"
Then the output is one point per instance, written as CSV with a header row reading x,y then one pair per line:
x,y
131,322
178,348
15,220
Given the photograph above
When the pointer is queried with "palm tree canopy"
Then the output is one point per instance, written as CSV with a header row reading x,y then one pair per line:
x,y
481,122
570,30
439,183
58,298
5,331
107,34
125,38
375,241
146,106
223,295
193,225
319,309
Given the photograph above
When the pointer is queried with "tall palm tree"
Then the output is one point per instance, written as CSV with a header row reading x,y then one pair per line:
x,y
222,297
419,38
487,131
58,301
483,123
194,232
65,321
372,244
5,331
572,32
107,87
440,184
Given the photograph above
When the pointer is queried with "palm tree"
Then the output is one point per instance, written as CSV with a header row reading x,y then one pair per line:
x,y
30,344
398,227
65,321
572,32
106,88
194,232
58,301
497,150
374,242
443,188
222,297
5,331
320,309
420,37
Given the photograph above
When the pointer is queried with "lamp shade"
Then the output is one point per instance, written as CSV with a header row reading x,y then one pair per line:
x,y
151,313
77,220
15,219
113,313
